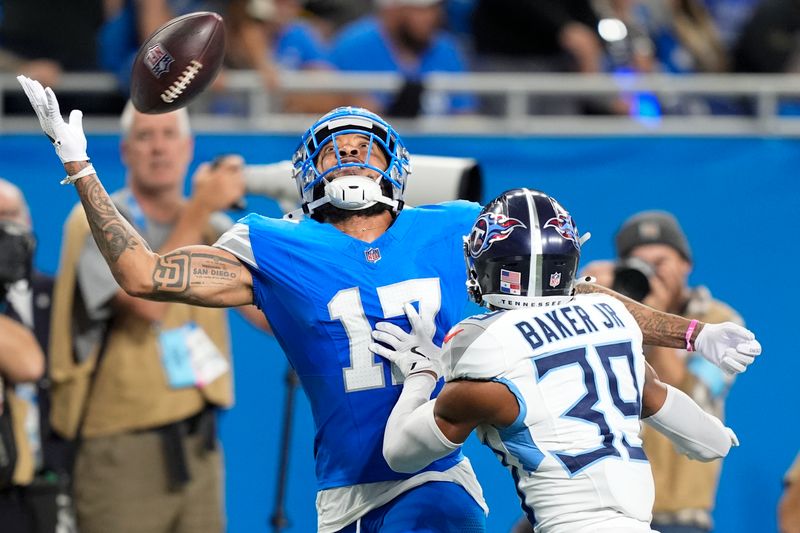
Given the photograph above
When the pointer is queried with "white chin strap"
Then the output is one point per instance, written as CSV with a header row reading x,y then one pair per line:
x,y
355,192
348,192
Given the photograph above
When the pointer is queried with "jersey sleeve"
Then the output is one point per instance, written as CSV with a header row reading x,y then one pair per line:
x,y
237,241
264,246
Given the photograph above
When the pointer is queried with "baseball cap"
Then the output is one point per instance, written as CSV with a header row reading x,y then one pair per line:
x,y
652,227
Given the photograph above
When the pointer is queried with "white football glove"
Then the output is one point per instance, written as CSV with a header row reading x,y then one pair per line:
x,y
728,346
67,138
412,352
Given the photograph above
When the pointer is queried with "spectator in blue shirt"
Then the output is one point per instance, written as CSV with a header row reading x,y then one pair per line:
x,y
297,46
405,36
280,37
272,37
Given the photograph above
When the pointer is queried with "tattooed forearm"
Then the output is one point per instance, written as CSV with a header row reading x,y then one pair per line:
x,y
172,272
658,328
187,272
111,231
193,273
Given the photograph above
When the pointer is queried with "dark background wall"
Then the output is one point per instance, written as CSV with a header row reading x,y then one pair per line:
x,y
737,198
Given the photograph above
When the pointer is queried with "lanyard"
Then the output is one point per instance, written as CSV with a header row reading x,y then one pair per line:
x,y
139,219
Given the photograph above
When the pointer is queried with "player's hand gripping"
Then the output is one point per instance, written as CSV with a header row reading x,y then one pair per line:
x,y
412,352
729,346
67,137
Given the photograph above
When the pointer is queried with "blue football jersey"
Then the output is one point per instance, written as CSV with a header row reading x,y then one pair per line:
x,y
323,291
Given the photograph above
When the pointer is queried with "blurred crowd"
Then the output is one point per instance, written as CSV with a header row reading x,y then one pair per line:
x,y
44,39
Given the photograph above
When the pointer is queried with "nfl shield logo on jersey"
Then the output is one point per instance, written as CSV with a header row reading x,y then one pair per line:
x,y
158,60
373,255
555,279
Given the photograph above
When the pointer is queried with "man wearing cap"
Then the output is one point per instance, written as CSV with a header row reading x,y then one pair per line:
x,y
685,489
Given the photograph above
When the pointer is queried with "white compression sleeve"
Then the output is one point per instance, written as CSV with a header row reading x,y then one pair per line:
x,y
412,439
693,432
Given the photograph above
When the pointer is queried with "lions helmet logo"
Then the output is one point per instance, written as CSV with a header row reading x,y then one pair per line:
x,y
564,225
490,228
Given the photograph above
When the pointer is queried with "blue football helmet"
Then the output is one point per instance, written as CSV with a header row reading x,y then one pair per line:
x,y
357,192
523,251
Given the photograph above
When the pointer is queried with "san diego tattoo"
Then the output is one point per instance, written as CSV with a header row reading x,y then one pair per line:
x,y
171,272
181,271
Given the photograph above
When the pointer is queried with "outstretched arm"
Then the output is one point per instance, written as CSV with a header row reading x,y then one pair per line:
x,y
728,346
693,432
419,430
200,275
658,328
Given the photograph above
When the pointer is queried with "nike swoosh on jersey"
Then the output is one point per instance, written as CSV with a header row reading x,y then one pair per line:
x,y
451,335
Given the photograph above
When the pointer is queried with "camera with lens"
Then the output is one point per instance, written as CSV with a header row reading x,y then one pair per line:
x,y
632,278
16,261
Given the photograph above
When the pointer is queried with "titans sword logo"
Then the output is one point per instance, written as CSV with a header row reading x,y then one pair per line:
x,y
489,229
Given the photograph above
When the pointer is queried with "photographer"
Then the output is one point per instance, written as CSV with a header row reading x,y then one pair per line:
x,y
653,266
33,461
147,457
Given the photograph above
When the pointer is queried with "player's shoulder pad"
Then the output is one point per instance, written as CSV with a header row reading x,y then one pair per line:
x,y
472,351
249,231
597,297
616,305
458,213
273,230
485,319
256,221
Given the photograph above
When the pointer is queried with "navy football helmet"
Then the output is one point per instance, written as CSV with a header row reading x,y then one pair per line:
x,y
523,251
351,192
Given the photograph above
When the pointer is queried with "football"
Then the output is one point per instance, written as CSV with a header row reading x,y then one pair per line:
x,y
177,62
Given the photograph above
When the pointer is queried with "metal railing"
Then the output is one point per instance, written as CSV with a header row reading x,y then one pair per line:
x,y
761,95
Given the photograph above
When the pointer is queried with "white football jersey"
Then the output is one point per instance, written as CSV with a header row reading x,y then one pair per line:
x,y
577,370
